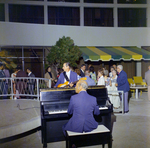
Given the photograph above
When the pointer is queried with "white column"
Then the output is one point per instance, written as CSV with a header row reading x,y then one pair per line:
x,y
138,68
45,12
148,13
115,15
6,12
81,13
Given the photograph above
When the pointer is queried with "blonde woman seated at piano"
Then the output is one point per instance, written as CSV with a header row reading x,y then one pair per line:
x,y
81,107
68,77
101,80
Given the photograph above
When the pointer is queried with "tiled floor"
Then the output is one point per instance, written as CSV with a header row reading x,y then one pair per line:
x,y
18,116
131,130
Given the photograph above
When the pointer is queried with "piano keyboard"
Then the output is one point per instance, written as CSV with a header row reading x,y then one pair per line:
x,y
65,111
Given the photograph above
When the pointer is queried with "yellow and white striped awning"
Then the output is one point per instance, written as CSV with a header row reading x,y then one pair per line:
x,y
114,53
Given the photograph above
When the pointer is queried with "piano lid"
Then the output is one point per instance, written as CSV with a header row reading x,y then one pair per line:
x,y
70,88
64,94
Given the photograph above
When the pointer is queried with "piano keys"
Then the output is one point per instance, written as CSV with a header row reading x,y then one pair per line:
x,y
54,104
65,111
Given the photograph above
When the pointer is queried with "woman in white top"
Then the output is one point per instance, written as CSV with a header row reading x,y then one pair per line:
x,y
13,75
107,79
111,69
115,100
101,80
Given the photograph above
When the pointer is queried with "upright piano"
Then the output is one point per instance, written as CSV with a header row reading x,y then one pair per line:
x,y
54,103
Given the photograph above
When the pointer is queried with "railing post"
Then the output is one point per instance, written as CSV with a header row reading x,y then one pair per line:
x,y
122,102
38,89
49,83
12,91
121,94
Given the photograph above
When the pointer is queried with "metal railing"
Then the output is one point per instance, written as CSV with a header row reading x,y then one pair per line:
x,y
22,87
29,88
120,93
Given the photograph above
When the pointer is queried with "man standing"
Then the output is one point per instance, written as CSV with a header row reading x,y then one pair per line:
x,y
21,84
7,74
2,81
6,71
123,85
115,67
89,81
67,75
31,82
147,79
82,70
82,107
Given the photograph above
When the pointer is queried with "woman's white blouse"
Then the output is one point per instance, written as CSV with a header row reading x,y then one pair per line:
x,y
101,81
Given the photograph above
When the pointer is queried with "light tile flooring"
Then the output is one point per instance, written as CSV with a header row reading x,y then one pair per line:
x,y
131,130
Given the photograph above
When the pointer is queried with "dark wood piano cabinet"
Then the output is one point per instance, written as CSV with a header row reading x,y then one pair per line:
x,y
54,104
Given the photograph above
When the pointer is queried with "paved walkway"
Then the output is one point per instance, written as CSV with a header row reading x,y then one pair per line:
x,y
131,130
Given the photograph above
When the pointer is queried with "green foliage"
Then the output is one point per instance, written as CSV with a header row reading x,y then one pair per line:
x,y
64,51
7,61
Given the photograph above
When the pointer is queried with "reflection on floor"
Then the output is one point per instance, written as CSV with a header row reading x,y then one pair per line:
x,y
131,130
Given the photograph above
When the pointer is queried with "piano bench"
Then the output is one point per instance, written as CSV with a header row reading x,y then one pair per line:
x,y
101,135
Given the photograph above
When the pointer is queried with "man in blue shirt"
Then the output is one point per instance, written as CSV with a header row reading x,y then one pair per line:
x,y
67,76
89,81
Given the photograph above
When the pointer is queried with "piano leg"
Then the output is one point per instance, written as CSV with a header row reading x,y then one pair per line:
x,y
44,145
44,135
106,120
67,146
